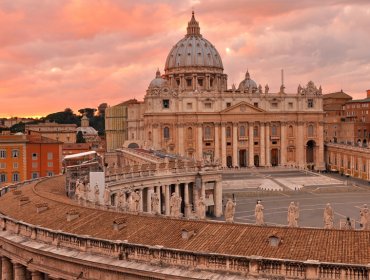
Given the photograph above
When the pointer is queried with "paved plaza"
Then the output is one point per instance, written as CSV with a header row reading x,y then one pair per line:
x,y
277,187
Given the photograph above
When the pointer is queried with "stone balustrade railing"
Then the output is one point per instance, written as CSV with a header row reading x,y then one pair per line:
x,y
8,188
158,255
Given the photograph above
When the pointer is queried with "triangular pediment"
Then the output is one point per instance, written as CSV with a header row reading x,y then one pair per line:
x,y
242,108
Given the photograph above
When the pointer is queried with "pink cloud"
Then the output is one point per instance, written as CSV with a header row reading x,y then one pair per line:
x,y
81,53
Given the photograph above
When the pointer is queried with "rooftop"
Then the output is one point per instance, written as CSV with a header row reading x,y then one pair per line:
x,y
303,244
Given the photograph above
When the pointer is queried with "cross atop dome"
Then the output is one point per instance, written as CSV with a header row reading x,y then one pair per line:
x,y
193,28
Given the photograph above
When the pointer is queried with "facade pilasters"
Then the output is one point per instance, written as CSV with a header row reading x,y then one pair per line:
x,y
262,145
223,144
300,146
283,144
320,159
235,144
250,146
268,152
155,136
200,142
217,142
180,140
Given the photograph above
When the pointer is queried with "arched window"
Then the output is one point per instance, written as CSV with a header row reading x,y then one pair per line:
x,y
310,130
166,133
242,131
255,131
290,131
274,130
190,133
150,136
228,132
207,132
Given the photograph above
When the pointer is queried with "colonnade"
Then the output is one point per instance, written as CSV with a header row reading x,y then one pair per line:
x,y
11,269
190,192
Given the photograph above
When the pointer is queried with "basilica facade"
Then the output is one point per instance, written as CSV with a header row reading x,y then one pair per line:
x,y
190,111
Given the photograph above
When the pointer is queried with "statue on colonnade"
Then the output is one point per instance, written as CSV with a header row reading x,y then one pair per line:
x,y
293,215
258,213
230,210
328,217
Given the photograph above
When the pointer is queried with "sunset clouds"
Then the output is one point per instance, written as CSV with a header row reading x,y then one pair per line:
x,y
80,53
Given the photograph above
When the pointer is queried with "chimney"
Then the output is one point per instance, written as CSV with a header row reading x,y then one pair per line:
x,y
368,93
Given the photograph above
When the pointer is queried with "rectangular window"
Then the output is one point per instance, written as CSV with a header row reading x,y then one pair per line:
x,y
208,105
3,178
35,175
50,164
34,156
228,104
15,153
49,173
255,104
2,153
189,106
310,103
290,105
188,82
34,165
15,165
166,103
50,155
200,82
274,105
15,177
2,165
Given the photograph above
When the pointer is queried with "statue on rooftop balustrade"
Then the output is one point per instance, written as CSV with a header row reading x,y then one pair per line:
x,y
201,208
155,203
135,201
96,194
175,205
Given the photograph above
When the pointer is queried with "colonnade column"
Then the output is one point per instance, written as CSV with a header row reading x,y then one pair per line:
x,y
141,202
235,144
283,143
158,191
223,144
262,145
180,140
250,145
36,275
177,189
300,145
186,200
203,190
6,269
200,142
167,199
149,199
268,152
19,271
217,142
218,198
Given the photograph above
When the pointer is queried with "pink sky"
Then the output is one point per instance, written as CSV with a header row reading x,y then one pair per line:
x,y
80,53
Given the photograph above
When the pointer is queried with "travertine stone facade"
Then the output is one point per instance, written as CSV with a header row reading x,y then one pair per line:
x,y
189,110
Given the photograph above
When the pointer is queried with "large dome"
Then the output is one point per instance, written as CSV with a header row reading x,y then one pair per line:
x,y
193,51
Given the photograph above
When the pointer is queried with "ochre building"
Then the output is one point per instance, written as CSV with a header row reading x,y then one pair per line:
x,y
191,111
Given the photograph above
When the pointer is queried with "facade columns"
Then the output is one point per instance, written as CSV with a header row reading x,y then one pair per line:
x,y
250,145
203,190
141,202
177,189
180,140
19,271
283,144
300,146
167,199
262,145
235,145
155,136
218,198
6,269
320,165
200,142
268,152
223,144
217,142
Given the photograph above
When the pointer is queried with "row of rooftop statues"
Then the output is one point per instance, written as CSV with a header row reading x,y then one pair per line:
x,y
133,202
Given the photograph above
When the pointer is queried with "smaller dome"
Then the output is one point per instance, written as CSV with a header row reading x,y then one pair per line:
x,y
158,82
247,83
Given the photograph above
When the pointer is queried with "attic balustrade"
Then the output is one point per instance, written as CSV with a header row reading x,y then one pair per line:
x,y
159,255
